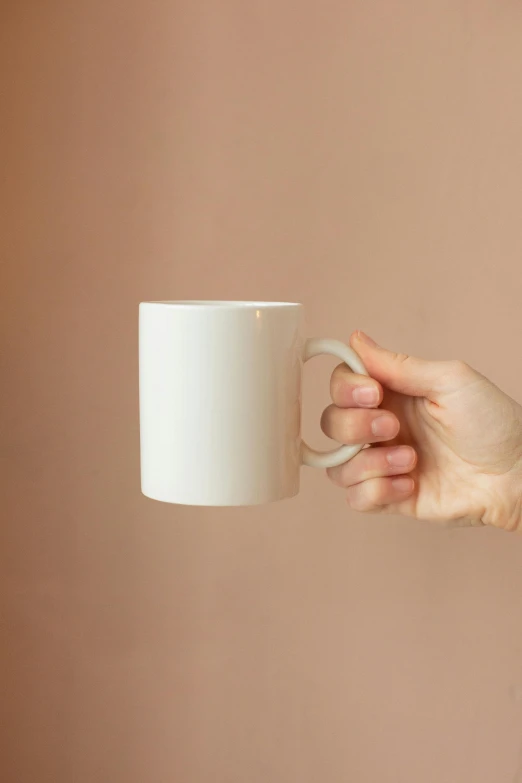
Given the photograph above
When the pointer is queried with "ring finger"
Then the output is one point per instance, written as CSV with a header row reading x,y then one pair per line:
x,y
374,463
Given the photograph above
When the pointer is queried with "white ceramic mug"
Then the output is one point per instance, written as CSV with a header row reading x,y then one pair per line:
x,y
220,401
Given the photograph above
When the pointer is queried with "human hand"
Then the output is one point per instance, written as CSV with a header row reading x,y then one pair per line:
x,y
446,442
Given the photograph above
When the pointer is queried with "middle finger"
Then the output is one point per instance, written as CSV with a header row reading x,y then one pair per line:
x,y
359,425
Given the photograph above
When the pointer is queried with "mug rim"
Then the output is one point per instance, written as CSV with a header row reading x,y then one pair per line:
x,y
231,304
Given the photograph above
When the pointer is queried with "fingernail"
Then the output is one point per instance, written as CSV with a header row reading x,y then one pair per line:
x,y
401,457
365,339
385,426
366,395
403,484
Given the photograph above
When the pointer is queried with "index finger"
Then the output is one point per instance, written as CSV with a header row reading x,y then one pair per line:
x,y
349,390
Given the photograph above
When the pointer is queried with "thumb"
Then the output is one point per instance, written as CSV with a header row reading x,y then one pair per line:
x,y
400,372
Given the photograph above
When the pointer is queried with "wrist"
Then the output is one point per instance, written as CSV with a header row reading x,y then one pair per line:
x,y
511,514
504,506
517,502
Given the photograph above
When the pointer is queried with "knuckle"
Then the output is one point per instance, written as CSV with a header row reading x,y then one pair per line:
x,y
338,379
459,368
340,371
336,475
326,419
340,424
375,493
356,501
363,497
353,472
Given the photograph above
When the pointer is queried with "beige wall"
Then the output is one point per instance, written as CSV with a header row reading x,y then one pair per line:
x,y
364,158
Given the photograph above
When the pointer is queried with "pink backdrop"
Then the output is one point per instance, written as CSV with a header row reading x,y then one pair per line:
x,y
363,158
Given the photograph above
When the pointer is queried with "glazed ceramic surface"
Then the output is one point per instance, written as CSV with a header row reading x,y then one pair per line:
x,y
220,401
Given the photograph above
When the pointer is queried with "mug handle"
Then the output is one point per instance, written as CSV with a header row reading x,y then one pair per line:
x,y
314,347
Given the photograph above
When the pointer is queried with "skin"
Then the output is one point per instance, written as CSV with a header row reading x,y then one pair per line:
x,y
445,442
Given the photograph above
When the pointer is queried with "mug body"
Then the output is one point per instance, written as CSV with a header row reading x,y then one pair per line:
x,y
220,401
